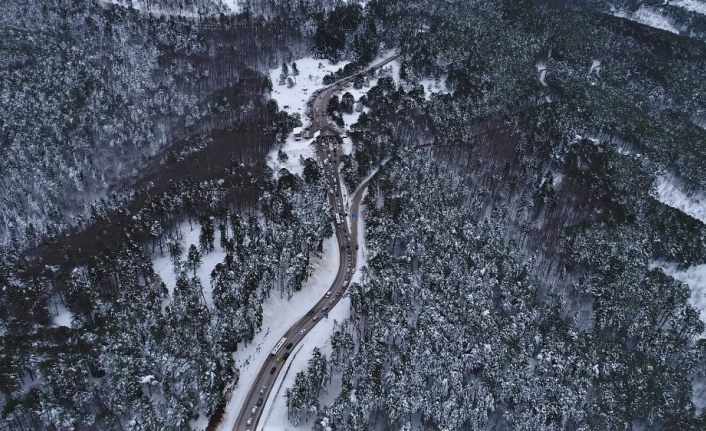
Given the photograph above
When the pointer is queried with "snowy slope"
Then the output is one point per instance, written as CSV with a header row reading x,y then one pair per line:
x,y
693,204
651,17
163,265
695,278
698,6
670,194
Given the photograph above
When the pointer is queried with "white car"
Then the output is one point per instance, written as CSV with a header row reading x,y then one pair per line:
x,y
254,409
302,331
249,422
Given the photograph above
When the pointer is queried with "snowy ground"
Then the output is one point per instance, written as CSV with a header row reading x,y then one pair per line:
x,y
542,71
595,65
693,204
695,278
163,265
670,194
651,17
698,6
62,316
293,100
234,5
278,316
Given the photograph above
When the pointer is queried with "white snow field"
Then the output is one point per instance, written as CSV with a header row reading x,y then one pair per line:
x,y
695,278
293,100
236,6
190,235
651,17
693,204
698,6
63,316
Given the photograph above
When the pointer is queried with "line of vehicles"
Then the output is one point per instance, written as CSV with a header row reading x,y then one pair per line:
x,y
280,352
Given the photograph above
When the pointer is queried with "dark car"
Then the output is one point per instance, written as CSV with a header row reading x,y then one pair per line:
x,y
272,371
259,402
286,355
289,346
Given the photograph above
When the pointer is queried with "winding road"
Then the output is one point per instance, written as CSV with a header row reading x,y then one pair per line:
x,y
328,151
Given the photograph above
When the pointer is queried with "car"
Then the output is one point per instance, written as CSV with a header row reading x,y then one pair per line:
x,y
328,293
249,421
254,409
279,359
272,371
308,314
356,246
302,331
338,294
259,402
289,346
330,301
286,355
315,318
262,390
325,309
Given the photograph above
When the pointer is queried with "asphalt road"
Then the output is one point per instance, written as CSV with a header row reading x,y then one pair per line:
x,y
318,109
328,151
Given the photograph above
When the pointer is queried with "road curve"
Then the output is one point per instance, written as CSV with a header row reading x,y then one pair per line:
x,y
328,151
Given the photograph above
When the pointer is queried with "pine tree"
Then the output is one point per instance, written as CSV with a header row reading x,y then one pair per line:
x,y
193,258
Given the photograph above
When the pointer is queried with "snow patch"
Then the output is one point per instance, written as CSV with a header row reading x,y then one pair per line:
x,y
693,204
311,73
149,8
698,6
433,86
595,65
651,17
190,235
695,278
541,66
63,316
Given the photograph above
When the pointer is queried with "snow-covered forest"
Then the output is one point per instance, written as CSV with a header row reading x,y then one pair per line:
x,y
538,196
